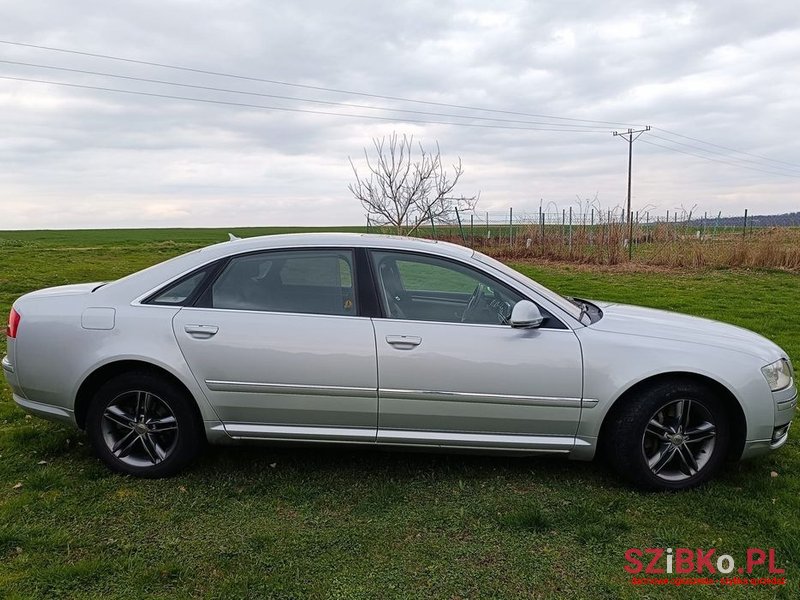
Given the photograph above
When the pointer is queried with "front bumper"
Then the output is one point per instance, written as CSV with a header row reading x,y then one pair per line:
x,y
785,408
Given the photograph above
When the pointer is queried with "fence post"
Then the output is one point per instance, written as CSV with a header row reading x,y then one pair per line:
x,y
460,228
510,227
591,231
541,226
630,235
744,229
570,231
472,231
368,229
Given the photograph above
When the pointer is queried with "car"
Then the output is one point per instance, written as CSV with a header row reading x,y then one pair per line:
x,y
392,342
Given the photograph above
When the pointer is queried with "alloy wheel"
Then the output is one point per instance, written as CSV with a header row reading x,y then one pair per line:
x,y
679,440
139,428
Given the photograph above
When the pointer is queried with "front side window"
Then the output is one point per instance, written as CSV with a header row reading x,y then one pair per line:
x,y
303,281
425,288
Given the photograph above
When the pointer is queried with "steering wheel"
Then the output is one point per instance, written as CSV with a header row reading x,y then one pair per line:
x,y
477,294
394,308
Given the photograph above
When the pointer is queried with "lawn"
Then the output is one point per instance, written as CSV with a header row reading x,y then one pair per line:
x,y
261,522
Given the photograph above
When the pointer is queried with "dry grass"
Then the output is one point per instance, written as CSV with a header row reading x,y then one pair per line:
x,y
661,245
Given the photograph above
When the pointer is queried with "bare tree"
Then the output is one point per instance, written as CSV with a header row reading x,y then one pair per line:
x,y
405,191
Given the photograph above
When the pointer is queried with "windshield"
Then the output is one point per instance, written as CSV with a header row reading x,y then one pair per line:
x,y
571,307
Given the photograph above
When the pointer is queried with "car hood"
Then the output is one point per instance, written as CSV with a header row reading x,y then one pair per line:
x,y
662,324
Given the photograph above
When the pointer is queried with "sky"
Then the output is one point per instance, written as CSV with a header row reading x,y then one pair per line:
x,y
725,73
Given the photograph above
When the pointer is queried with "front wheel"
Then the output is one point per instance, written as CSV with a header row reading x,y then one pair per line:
x,y
143,425
673,436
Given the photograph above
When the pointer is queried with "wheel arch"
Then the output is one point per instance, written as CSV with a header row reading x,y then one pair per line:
x,y
107,371
738,418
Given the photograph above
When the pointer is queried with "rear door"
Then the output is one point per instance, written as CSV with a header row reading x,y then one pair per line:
x,y
279,347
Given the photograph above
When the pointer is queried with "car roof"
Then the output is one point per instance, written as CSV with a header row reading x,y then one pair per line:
x,y
371,240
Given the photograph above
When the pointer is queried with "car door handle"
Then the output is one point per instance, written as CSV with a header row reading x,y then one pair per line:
x,y
201,331
404,341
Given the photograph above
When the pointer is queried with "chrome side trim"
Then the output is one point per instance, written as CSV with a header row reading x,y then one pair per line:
x,y
290,388
456,324
397,437
589,402
485,440
264,312
243,431
7,366
399,394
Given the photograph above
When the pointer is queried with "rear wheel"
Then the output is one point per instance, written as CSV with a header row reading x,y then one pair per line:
x,y
672,436
143,425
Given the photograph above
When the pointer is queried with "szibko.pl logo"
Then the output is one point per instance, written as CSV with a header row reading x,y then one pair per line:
x,y
703,563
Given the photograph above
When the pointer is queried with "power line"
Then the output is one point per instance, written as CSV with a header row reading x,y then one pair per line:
x,y
667,131
719,160
726,155
573,122
280,97
304,86
288,109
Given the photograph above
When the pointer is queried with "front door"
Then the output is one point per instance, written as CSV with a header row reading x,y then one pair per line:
x,y
452,372
278,346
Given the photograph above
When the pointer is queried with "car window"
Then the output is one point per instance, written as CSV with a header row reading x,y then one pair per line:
x,y
552,296
425,288
307,281
178,293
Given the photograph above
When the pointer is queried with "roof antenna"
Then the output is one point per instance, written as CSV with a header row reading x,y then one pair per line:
x,y
233,238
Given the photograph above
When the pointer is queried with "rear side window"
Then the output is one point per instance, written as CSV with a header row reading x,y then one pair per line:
x,y
307,281
178,293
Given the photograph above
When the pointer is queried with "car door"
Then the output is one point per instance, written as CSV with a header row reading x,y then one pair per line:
x,y
278,345
452,372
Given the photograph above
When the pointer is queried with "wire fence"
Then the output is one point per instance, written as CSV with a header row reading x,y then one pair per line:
x,y
671,238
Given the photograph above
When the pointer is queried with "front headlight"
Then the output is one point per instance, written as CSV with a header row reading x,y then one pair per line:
x,y
778,374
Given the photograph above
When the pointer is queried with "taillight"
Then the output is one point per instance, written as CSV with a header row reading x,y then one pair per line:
x,y
13,324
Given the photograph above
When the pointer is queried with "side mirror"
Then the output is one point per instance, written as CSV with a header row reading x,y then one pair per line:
x,y
525,315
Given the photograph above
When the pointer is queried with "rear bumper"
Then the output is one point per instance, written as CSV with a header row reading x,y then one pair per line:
x,y
46,411
7,366
11,375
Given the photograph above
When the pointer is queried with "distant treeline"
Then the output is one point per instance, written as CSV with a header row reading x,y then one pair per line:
x,y
791,219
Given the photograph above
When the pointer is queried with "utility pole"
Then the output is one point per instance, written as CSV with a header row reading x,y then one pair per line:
x,y
630,136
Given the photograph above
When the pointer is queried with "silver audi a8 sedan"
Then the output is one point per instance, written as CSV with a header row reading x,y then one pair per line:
x,y
378,340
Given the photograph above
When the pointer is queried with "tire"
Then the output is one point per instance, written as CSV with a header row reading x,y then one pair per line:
x,y
144,425
671,436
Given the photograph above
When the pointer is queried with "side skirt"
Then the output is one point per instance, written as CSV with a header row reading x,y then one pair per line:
x,y
481,442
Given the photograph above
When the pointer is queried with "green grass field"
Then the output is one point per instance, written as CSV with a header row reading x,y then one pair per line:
x,y
261,522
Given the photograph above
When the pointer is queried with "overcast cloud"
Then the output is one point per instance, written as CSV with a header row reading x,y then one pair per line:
x,y
724,72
